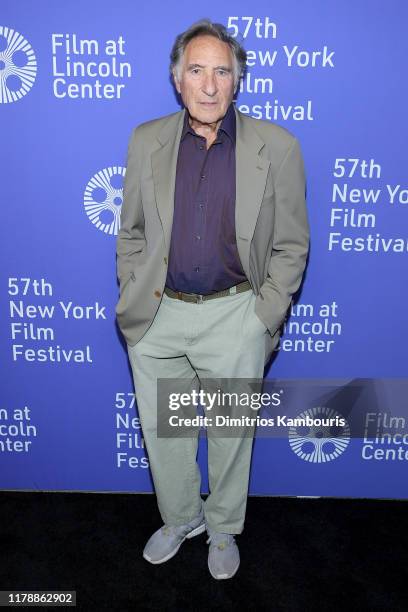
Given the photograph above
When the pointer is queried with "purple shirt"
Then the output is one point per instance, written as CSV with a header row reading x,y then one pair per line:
x,y
203,255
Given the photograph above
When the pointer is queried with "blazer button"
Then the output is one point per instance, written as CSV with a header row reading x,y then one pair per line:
x,y
157,293
165,260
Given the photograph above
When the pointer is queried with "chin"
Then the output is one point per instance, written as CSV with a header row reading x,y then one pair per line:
x,y
209,115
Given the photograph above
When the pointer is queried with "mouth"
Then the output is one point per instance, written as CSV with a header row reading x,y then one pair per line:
x,y
208,103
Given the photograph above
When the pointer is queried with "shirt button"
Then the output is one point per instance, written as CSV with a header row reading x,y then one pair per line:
x,y
198,237
201,205
202,176
197,269
201,147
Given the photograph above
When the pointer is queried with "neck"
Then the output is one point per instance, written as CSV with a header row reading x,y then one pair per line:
x,y
208,130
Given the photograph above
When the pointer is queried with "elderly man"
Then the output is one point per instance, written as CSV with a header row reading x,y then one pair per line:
x,y
213,243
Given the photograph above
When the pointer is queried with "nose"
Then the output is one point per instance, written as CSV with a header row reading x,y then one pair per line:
x,y
209,85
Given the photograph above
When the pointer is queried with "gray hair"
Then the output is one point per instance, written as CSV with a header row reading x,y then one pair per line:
x,y
205,27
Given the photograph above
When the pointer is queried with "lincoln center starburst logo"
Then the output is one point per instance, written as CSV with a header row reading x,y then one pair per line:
x,y
321,440
103,199
18,66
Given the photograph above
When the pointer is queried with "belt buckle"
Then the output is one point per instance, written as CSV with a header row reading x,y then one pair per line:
x,y
200,298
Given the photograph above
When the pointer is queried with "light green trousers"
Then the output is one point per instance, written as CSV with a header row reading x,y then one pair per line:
x,y
219,338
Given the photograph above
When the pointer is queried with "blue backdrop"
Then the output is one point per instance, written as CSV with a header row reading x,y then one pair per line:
x,y
75,78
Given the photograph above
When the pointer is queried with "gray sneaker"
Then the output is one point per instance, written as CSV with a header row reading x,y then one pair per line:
x,y
223,555
166,541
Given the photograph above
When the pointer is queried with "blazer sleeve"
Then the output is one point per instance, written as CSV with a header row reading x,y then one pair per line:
x,y
131,236
290,238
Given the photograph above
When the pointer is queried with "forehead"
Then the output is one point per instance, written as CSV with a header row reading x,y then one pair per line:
x,y
206,50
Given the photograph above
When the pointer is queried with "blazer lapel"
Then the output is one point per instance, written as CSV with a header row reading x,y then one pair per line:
x,y
164,165
251,174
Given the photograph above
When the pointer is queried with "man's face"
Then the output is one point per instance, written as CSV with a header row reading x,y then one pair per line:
x,y
206,78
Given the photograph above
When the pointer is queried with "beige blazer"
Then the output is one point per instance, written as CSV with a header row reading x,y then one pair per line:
x,y
272,230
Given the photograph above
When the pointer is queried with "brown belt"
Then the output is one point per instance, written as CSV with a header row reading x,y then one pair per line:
x,y
197,298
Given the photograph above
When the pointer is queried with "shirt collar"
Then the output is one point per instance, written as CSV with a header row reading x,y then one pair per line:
x,y
228,124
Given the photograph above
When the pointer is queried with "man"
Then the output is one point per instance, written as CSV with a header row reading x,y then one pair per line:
x,y
212,246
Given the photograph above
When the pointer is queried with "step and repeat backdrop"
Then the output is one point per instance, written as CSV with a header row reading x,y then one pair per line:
x,y
75,79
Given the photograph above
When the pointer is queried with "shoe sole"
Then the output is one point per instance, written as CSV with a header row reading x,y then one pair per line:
x,y
191,534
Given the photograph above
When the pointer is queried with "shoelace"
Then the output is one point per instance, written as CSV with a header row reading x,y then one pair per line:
x,y
182,530
169,530
221,540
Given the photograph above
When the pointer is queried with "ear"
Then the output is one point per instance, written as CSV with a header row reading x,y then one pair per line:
x,y
176,81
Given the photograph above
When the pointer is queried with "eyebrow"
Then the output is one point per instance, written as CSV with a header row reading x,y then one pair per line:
x,y
226,68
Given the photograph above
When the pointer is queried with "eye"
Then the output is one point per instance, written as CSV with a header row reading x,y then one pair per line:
x,y
224,73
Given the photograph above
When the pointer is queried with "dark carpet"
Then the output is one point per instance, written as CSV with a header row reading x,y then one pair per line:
x,y
296,554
